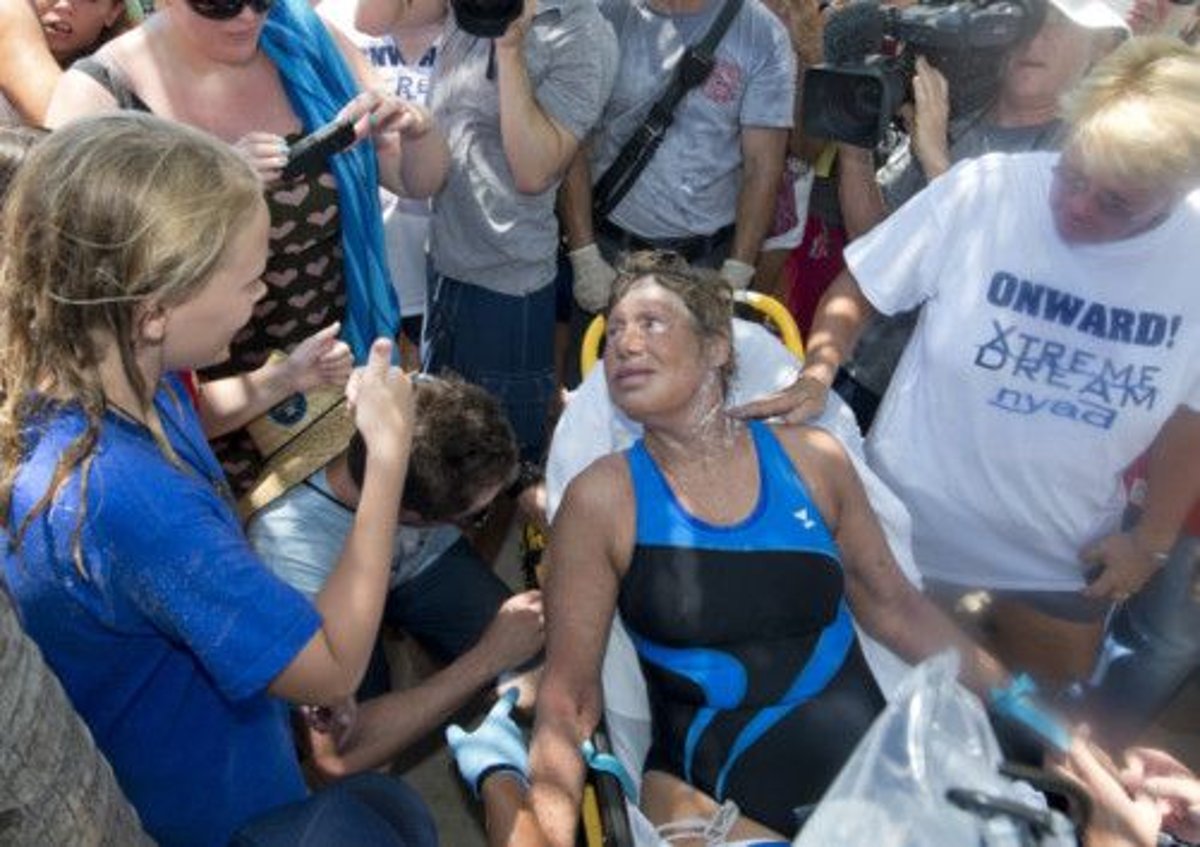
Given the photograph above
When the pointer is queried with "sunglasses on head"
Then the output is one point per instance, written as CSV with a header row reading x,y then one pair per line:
x,y
224,10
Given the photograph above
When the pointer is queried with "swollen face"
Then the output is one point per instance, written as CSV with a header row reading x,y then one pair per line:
x,y
653,358
74,27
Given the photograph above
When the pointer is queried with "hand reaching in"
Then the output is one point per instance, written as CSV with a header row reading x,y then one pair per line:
x,y
321,359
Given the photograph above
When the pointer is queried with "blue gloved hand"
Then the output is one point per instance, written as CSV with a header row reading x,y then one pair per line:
x,y
496,744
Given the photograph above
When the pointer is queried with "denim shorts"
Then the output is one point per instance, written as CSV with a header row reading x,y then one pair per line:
x,y
500,342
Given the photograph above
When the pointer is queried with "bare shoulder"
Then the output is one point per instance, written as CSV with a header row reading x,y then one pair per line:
x,y
598,513
812,446
822,464
600,482
124,51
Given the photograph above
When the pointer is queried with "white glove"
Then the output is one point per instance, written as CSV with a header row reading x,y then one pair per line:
x,y
738,274
593,278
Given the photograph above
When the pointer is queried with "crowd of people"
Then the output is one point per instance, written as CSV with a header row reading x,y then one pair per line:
x,y
256,409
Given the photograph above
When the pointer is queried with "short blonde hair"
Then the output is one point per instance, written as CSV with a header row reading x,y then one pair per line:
x,y
1137,114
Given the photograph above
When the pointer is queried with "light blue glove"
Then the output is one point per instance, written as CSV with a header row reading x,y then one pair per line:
x,y
496,744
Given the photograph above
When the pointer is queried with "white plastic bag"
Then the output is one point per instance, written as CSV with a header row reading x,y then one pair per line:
x,y
933,736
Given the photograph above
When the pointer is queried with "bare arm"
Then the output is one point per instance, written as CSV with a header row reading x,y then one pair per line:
x,y
592,540
510,820
840,317
1172,481
229,404
763,149
1172,489
575,201
389,724
858,191
884,602
839,320
77,95
538,148
378,17
28,72
410,150
331,665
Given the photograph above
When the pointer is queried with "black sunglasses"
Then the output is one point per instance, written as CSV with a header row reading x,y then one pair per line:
x,y
224,10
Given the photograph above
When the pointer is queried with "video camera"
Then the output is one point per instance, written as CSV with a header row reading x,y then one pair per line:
x,y
870,56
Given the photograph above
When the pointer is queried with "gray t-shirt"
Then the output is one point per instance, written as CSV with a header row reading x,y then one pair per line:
x,y
691,185
483,230
885,336
300,536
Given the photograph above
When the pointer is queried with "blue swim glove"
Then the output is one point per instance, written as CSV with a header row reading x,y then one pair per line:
x,y
496,744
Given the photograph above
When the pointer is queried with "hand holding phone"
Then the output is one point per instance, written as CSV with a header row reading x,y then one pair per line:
x,y
313,149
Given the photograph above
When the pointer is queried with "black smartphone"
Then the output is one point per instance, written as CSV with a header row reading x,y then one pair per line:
x,y
313,149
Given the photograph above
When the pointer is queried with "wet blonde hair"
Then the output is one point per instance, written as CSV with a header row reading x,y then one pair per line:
x,y
1136,116
706,295
107,217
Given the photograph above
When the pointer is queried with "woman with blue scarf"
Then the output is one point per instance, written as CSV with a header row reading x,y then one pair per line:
x,y
260,74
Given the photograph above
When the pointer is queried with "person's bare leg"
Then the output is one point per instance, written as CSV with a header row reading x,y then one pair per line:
x,y
666,798
1054,651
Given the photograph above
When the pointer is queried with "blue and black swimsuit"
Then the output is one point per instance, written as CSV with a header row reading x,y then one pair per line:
x,y
758,687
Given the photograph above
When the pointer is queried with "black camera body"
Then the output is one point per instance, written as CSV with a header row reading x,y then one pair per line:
x,y
486,18
871,51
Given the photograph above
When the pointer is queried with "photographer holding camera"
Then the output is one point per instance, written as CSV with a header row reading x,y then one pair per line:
x,y
1022,117
518,84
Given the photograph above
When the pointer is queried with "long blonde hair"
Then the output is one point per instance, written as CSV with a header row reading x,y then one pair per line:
x,y
107,215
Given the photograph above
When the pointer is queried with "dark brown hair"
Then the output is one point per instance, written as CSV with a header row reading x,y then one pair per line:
x,y
462,445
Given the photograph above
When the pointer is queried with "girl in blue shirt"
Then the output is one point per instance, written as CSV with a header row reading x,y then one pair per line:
x,y
134,250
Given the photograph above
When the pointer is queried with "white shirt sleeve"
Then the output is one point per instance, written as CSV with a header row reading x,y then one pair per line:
x,y
898,263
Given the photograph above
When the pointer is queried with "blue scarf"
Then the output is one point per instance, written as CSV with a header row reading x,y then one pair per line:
x,y
319,83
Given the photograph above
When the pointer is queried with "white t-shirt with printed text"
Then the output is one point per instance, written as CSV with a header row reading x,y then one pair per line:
x,y
1038,371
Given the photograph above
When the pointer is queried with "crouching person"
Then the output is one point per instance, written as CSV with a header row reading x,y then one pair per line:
x,y
462,455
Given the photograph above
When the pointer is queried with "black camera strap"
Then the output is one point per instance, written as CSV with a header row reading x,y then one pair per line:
x,y
693,69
